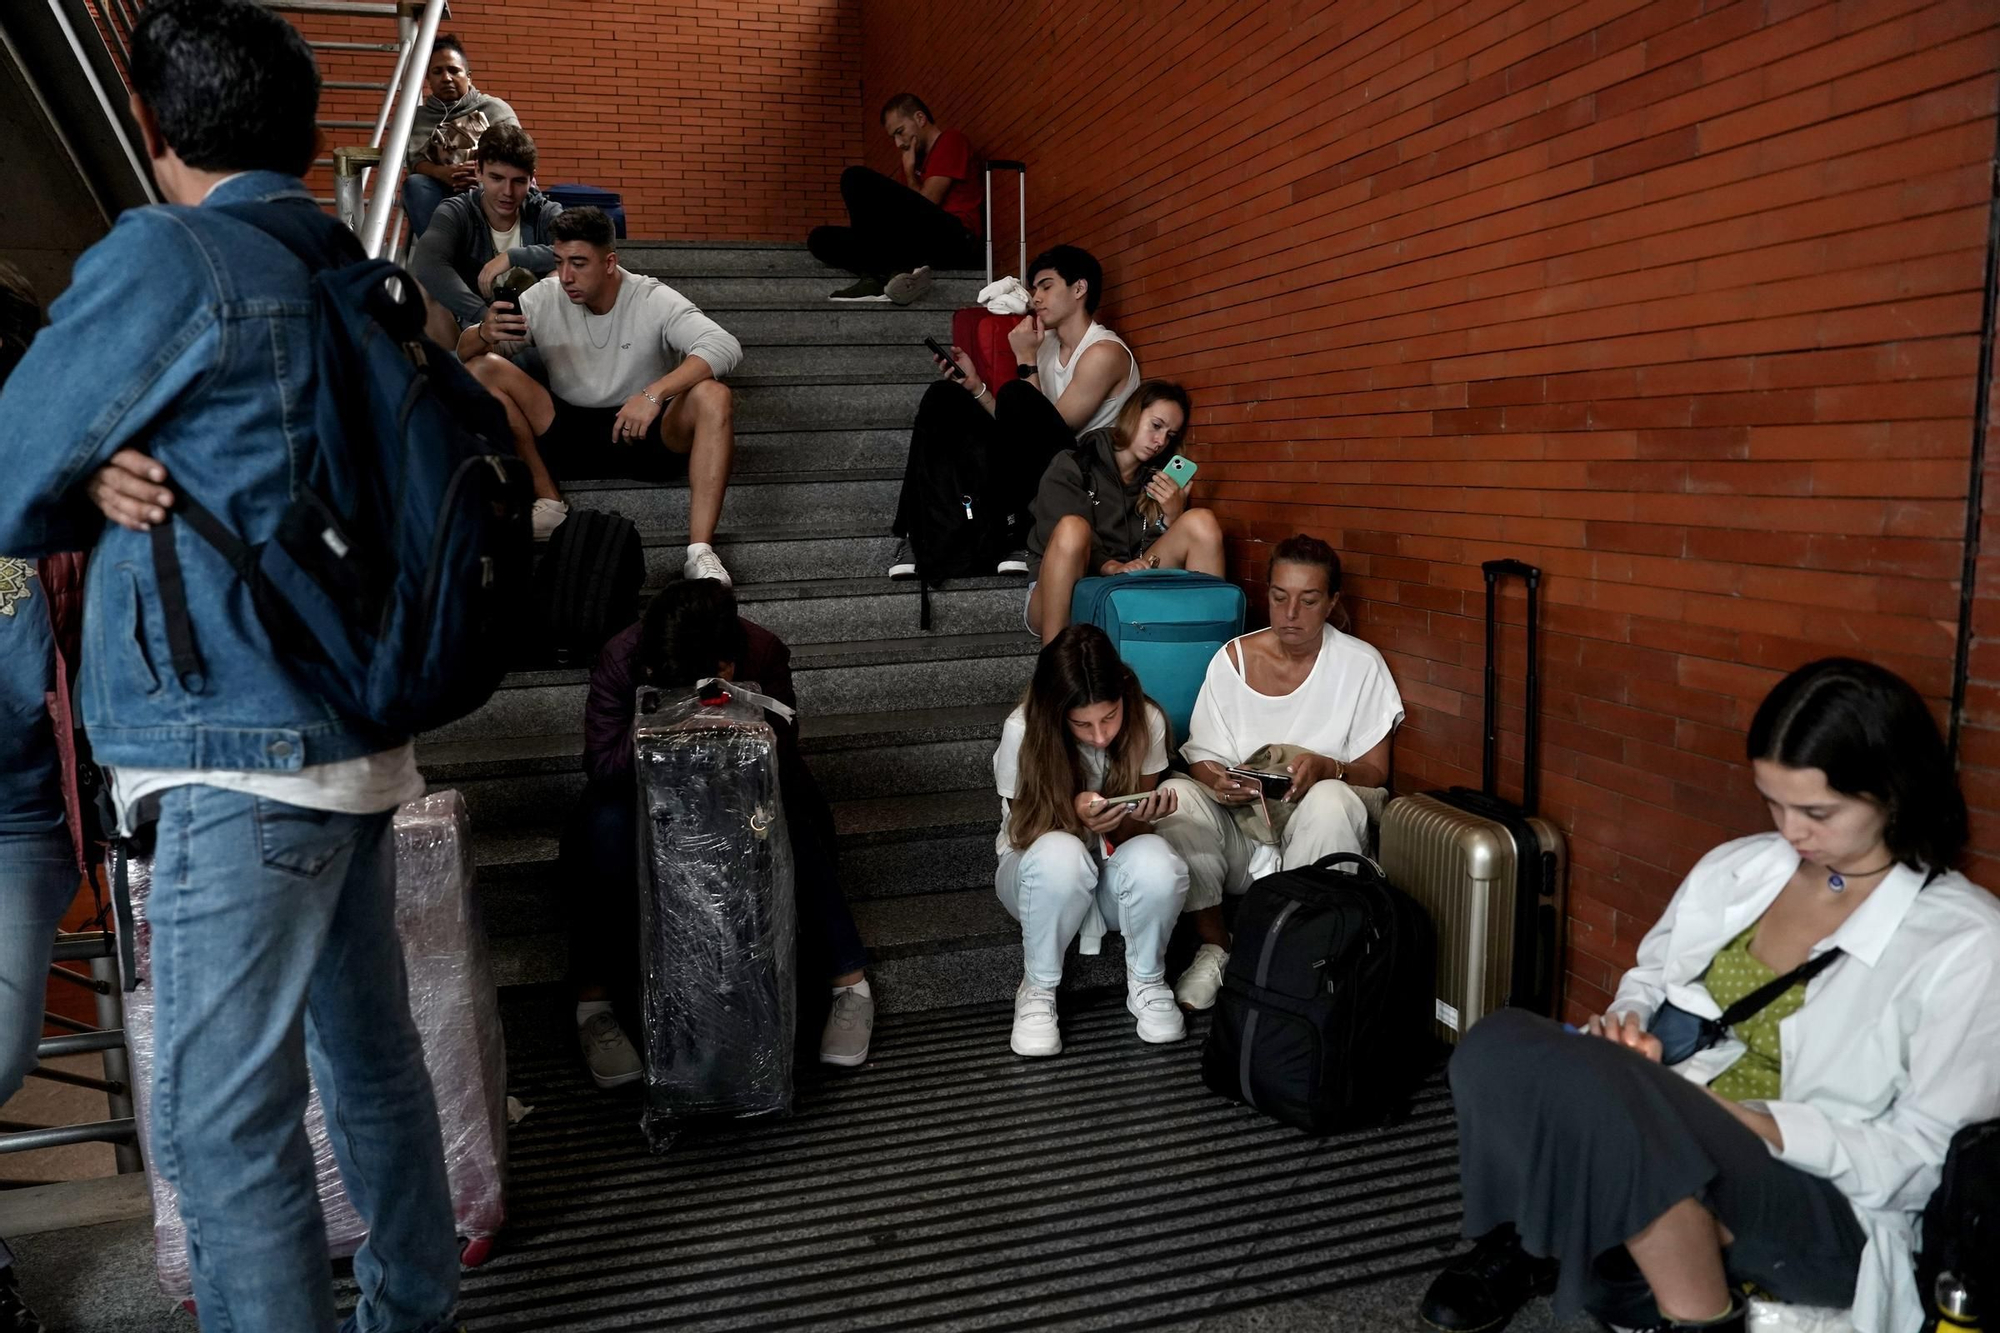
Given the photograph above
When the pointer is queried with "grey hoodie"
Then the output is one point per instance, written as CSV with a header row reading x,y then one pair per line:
x,y
1117,529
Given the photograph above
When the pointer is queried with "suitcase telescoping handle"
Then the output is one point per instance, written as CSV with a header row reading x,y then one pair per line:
x,y
1489,761
1007,164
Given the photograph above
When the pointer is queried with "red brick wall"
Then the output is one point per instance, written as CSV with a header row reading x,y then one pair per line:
x,y
714,122
1678,300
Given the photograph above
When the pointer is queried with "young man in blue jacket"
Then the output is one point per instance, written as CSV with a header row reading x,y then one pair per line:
x,y
183,354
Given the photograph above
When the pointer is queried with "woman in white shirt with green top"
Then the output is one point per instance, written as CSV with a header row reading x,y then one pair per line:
x,y
1700,1133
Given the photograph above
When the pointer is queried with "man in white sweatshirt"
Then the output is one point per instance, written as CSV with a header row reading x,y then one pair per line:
x,y
634,382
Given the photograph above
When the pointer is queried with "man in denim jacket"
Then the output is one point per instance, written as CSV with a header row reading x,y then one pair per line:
x,y
182,353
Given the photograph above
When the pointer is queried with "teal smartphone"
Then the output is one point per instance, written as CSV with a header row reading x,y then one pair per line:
x,y
1180,470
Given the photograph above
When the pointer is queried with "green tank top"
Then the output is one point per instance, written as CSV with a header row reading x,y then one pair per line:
x,y
1734,974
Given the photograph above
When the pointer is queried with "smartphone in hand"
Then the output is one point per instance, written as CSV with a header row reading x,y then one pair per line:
x,y
1103,803
1273,785
1180,471
943,353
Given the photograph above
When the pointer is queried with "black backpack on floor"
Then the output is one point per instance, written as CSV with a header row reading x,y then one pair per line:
x,y
1962,1221
955,531
587,585
1325,1013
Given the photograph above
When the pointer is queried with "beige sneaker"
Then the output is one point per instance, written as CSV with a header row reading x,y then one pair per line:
x,y
849,1027
1199,985
606,1050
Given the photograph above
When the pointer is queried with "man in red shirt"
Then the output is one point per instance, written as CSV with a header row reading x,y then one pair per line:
x,y
896,233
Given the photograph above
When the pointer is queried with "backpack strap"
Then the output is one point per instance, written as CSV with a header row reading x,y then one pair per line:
x,y
173,586
1714,1030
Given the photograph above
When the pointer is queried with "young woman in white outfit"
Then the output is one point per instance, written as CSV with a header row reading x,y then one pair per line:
x,y
1302,684
1069,863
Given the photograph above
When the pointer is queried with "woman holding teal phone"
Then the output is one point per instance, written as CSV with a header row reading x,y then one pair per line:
x,y
1106,507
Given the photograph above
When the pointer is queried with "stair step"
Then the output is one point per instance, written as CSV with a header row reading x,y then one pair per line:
x,y
846,497
859,755
758,327
841,610
806,292
933,952
760,452
795,362
758,259
874,676
770,405
776,554
888,847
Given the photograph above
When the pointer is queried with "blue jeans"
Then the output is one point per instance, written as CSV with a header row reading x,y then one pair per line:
x,y
274,945
421,197
38,878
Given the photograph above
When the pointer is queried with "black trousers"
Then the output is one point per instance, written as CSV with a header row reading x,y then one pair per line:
x,y
1013,444
600,861
892,229
1582,1144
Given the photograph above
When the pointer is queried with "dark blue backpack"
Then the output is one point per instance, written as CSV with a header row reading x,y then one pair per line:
x,y
388,585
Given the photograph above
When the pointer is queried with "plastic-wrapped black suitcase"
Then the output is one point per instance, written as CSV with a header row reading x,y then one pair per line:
x,y
718,920
1491,873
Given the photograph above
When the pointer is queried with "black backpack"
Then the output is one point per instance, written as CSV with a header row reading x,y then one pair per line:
x,y
1324,1021
1962,1221
587,586
955,530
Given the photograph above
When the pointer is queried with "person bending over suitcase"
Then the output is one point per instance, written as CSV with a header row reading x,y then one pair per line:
x,y
1073,859
1300,700
690,632
1656,1166
1107,507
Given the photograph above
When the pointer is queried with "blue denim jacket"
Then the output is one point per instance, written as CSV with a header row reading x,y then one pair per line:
x,y
185,333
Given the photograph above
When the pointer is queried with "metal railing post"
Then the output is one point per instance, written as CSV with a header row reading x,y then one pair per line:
x,y
118,1062
389,179
350,174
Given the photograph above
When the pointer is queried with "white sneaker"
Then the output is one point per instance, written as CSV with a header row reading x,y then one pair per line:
x,y
606,1050
547,516
703,563
907,287
1199,985
1035,1030
1153,1005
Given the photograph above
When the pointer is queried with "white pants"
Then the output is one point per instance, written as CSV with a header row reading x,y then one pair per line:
x,y
1331,818
1052,887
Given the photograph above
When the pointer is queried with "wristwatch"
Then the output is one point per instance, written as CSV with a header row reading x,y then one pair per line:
x,y
1025,371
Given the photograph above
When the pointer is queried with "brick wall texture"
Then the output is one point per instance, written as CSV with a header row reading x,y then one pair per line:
x,y
1680,301
713,121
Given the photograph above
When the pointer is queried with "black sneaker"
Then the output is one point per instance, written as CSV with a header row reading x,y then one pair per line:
x,y
903,564
15,1316
1479,1291
1013,562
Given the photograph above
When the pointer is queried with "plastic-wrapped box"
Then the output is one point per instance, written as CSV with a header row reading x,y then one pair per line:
x,y
457,1015
718,922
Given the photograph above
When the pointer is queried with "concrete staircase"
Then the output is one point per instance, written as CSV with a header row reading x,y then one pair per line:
x,y
899,725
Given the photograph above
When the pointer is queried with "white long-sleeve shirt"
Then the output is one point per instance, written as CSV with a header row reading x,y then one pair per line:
x,y
1896,1047
602,360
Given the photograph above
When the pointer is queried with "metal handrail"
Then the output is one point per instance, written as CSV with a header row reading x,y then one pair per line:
x,y
395,145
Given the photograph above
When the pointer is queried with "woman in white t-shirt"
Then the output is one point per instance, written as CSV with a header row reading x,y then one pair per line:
x,y
1070,863
1302,684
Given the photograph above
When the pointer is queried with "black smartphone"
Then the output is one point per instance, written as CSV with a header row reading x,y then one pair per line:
x,y
943,353
1274,785
510,286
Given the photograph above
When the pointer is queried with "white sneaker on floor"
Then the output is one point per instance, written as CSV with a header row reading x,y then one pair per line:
x,y
907,287
547,516
703,563
609,1054
1202,981
1035,1029
850,1026
1153,1005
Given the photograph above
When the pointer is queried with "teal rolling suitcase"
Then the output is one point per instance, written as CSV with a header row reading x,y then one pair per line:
x,y
1166,624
